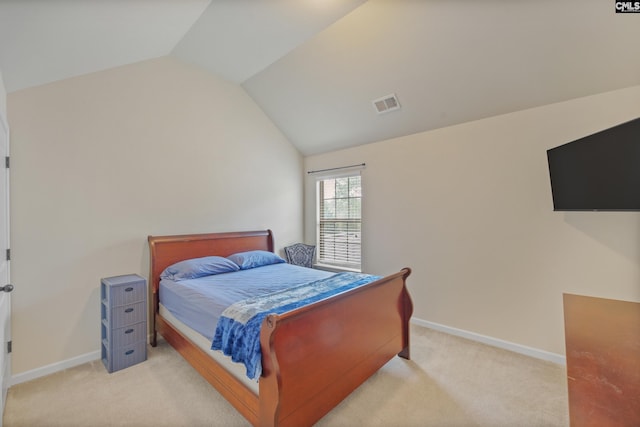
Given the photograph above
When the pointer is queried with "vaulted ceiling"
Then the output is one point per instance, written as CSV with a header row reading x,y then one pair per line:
x,y
315,66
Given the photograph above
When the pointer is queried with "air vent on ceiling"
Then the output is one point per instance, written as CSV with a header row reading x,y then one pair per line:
x,y
386,103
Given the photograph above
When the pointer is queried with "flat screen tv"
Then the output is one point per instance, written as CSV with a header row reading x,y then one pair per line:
x,y
600,172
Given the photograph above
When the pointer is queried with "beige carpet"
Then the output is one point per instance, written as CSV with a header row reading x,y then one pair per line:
x,y
450,381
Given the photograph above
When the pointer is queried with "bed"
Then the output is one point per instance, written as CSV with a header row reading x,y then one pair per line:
x,y
312,356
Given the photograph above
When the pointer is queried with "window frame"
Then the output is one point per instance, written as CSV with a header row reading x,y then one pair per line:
x,y
350,243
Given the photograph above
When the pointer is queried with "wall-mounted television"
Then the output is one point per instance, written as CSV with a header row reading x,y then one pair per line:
x,y
600,172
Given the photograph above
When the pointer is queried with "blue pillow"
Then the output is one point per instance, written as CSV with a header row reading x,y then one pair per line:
x,y
252,259
198,267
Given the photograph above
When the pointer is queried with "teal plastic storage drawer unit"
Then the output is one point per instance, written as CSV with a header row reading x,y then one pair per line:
x,y
124,321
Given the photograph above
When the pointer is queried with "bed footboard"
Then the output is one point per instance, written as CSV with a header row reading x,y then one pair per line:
x,y
315,356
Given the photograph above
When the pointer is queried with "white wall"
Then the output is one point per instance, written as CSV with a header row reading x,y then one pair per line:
x,y
469,209
3,98
103,160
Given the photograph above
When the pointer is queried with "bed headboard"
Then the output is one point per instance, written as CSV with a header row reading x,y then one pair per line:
x,y
167,250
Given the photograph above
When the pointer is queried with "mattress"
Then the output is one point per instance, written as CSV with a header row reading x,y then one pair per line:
x,y
238,370
198,303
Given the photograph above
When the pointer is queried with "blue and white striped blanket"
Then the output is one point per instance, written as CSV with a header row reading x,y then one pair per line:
x,y
238,330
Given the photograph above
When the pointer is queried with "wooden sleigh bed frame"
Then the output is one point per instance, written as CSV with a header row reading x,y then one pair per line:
x,y
312,357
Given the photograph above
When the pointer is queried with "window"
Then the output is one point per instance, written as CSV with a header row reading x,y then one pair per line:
x,y
339,222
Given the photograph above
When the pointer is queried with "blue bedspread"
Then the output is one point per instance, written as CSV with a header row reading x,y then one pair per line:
x,y
238,331
199,303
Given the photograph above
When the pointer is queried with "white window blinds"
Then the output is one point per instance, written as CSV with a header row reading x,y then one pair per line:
x,y
339,221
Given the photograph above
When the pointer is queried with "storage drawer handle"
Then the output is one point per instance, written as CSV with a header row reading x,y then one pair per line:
x,y
128,331
129,310
129,289
129,352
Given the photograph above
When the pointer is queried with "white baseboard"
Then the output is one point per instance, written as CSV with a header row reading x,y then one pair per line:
x,y
495,342
54,367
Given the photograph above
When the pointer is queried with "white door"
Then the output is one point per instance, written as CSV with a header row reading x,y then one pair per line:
x,y
5,287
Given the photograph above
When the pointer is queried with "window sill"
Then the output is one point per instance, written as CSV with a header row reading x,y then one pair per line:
x,y
335,268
